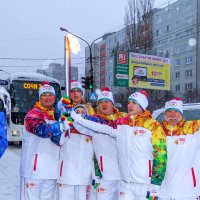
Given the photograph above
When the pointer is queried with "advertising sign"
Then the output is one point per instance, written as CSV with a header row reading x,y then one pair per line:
x,y
121,69
148,71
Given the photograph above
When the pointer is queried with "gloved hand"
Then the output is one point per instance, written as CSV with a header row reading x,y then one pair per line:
x,y
66,103
64,126
66,117
75,116
153,192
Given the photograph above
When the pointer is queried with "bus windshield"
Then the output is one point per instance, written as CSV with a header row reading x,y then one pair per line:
x,y
23,97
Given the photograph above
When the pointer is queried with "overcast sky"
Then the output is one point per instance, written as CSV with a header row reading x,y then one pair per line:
x,y
30,28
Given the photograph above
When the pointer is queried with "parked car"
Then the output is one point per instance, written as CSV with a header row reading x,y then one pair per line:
x,y
191,111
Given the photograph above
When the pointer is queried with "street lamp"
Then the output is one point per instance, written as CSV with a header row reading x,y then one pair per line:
x,y
89,45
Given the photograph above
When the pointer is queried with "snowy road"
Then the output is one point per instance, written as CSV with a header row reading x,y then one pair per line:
x,y
9,174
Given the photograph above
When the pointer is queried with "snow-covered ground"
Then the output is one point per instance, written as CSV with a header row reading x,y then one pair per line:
x,y
9,174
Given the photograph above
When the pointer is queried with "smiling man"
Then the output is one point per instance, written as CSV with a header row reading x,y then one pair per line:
x,y
182,177
40,147
141,148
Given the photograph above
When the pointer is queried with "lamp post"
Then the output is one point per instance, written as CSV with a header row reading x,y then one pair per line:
x,y
90,48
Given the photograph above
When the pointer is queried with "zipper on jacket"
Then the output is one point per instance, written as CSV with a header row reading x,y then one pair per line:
x,y
193,177
61,167
35,162
150,168
101,163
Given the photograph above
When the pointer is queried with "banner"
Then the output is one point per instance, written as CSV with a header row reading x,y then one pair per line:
x,y
141,71
150,72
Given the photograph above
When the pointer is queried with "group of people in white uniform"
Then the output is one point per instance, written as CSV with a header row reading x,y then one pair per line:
x,y
138,157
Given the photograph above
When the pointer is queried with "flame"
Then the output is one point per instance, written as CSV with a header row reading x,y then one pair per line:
x,y
74,44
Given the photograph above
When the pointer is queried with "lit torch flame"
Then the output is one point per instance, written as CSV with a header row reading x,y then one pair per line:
x,y
74,44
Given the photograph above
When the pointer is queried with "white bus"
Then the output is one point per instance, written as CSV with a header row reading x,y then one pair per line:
x,y
23,89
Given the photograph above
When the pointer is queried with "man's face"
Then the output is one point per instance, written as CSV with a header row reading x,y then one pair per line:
x,y
134,108
106,107
173,117
47,100
80,110
76,95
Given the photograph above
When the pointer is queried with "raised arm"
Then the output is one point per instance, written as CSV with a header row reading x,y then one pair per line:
x,y
93,125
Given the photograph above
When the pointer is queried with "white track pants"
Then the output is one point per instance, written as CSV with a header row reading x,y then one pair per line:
x,y
31,189
107,190
132,191
73,192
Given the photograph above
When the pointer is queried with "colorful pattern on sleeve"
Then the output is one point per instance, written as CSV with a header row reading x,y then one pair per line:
x,y
159,151
36,123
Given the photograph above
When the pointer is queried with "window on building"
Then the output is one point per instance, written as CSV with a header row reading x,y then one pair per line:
x,y
188,7
177,50
169,15
158,32
188,86
178,24
177,75
177,11
168,28
188,73
188,60
189,32
177,87
178,35
188,20
178,62
158,19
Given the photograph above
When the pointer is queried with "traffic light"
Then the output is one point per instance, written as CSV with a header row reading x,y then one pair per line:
x,y
85,82
91,82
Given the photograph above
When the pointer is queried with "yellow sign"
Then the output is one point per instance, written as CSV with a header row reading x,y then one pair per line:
x,y
33,86
150,72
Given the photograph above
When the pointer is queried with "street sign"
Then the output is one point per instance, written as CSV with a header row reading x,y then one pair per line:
x,y
93,96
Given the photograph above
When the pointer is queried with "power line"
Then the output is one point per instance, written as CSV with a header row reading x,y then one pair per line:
x,y
39,58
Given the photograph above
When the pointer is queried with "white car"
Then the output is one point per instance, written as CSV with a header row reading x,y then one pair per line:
x,y
191,111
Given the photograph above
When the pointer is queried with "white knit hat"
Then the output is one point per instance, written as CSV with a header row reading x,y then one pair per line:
x,y
174,104
75,85
81,106
105,94
140,98
46,88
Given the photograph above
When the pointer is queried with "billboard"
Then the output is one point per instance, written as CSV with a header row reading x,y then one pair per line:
x,y
144,71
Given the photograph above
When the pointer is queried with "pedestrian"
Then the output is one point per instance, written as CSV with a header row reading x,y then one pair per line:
x,y
3,129
141,147
40,148
182,178
76,164
105,148
76,96
74,182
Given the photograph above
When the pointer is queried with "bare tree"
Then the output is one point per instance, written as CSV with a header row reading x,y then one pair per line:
x,y
138,22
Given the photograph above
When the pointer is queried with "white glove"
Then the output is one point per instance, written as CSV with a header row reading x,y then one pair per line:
x,y
64,126
60,107
153,190
75,116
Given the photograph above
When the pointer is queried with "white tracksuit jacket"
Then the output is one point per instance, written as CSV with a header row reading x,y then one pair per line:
x,y
39,157
106,153
182,178
76,160
135,151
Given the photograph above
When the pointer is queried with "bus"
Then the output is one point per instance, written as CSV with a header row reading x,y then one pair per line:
x,y
23,89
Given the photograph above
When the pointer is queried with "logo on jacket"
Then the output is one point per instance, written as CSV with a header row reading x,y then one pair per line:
x,y
180,140
139,132
31,185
